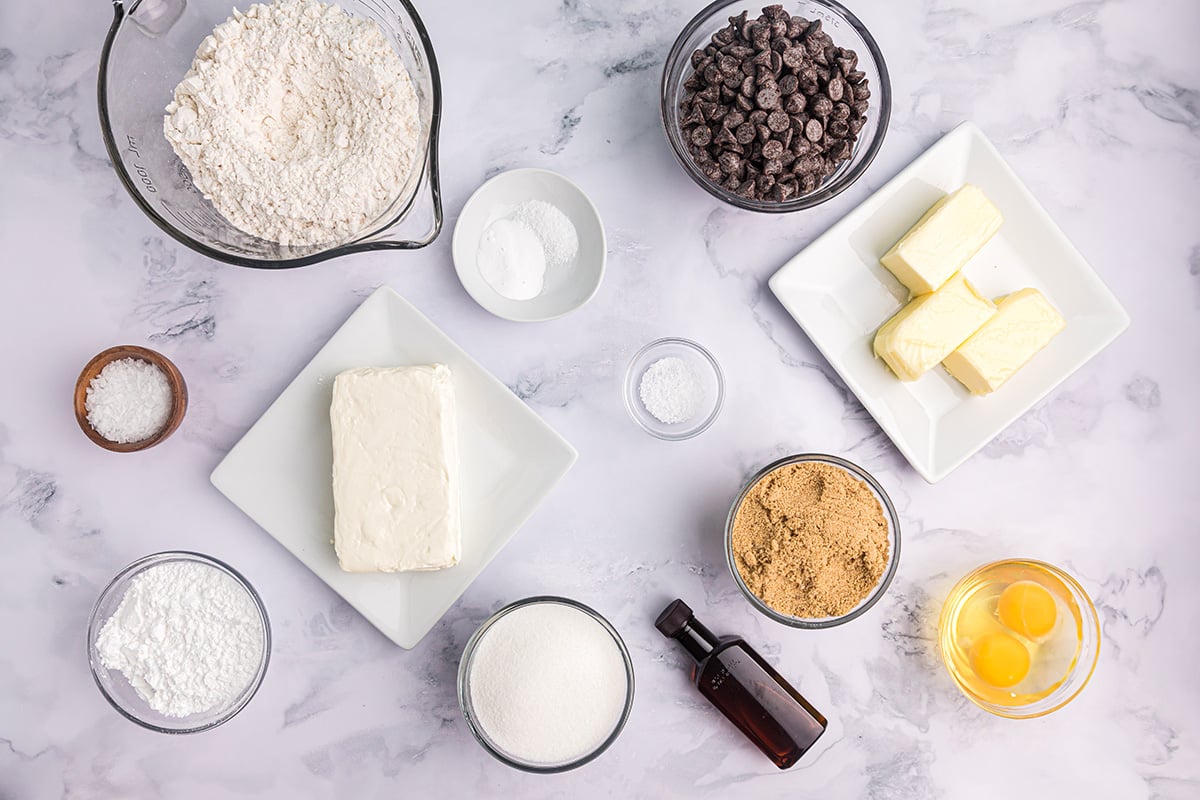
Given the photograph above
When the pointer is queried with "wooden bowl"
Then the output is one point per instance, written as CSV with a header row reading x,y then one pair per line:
x,y
179,395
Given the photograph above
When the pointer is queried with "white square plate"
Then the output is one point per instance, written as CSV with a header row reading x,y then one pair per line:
x,y
280,472
840,294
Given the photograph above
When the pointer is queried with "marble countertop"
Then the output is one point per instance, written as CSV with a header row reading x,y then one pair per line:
x,y
1097,107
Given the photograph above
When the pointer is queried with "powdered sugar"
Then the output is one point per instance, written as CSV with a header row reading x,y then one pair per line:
x,y
186,635
128,401
298,121
671,390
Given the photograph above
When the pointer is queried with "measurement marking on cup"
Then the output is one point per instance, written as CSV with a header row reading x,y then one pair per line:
x,y
143,173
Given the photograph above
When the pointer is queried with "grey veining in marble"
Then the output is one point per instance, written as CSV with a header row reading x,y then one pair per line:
x,y
1097,106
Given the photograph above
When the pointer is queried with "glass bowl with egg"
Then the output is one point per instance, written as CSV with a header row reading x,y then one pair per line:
x,y
1019,637
822,496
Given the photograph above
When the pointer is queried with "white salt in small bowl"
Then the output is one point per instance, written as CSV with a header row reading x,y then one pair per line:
x,y
707,371
121,694
566,288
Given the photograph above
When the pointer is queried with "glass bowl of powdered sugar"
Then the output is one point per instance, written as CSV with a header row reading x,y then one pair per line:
x,y
674,389
178,642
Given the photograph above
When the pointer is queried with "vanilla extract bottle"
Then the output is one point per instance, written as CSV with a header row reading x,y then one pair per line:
x,y
745,688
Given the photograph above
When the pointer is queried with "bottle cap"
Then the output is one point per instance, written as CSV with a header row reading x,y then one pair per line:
x,y
671,621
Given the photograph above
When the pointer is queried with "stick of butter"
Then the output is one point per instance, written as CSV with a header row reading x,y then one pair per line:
x,y
930,327
395,469
943,240
1024,323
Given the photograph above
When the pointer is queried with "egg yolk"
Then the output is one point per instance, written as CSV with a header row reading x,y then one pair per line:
x,y
1000,660
1028,609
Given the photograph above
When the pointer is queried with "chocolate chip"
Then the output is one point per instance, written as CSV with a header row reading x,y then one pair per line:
x,y
745,133
795,57
734,118
839,129
821,105
836,89
772,149
778,121
768,98
764,133
788,85
814,130
743,102
795,104
701,136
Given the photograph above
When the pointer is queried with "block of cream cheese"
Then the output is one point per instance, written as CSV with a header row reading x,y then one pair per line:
x,y
1024,323
931,327
395,469
943,240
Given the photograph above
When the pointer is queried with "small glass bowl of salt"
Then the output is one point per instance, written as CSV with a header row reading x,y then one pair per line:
x,y
674,389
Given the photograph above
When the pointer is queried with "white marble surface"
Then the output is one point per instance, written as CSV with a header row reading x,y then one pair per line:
x,y
1097,106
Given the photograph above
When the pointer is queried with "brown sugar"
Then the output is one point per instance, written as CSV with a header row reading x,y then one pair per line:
x,y
810,540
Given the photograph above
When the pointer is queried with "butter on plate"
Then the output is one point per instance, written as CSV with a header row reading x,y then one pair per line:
x,y
1024,323
943,240
931,327
395,469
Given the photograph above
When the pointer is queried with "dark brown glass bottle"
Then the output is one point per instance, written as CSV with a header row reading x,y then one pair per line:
x,y
745,688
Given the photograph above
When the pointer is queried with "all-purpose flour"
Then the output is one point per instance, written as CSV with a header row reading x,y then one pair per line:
x,y
187,637
298,121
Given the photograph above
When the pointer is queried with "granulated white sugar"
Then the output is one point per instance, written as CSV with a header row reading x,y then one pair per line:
x,y
547,683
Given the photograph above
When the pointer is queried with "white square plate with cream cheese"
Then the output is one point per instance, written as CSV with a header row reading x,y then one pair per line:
x,y
279,473
840,294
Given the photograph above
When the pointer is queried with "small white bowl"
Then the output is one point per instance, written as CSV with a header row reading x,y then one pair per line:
x,y
567,288
712,384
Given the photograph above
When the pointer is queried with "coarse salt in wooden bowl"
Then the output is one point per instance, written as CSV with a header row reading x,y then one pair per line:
x,y
179,396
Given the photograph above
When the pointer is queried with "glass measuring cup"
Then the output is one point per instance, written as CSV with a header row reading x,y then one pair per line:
x,y
149,48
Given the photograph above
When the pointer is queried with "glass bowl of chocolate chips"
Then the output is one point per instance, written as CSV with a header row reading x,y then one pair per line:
x,y
775,109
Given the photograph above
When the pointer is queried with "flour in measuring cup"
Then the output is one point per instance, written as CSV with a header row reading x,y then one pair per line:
x,y
298,121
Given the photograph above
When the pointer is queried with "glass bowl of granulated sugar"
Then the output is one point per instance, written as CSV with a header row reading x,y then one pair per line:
x,y
674,389
178,642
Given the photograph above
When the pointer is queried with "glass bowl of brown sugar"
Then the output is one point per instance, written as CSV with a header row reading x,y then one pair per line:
x,y
812,541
